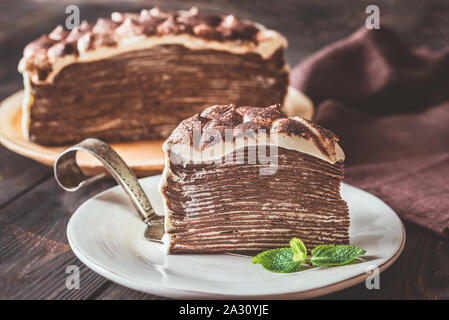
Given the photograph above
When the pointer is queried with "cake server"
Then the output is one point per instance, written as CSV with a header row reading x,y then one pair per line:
x,y
70,177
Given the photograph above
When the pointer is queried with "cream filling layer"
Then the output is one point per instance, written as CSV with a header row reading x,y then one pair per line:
x,y
282,140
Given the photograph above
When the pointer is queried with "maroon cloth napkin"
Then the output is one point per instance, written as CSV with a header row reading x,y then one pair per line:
x,y
390,107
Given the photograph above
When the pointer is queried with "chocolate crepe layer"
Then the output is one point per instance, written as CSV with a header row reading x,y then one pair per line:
x,y
226,204
231,207
390,106
136,76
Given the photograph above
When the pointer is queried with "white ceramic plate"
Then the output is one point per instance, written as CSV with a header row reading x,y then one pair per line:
x,y
107,235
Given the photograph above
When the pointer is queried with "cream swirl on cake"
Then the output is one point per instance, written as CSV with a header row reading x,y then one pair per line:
x,y
270,125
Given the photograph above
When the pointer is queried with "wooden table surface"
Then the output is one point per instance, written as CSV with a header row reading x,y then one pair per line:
x,y
34,211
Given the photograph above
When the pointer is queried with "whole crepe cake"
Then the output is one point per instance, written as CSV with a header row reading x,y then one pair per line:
x,y
240,179
136,76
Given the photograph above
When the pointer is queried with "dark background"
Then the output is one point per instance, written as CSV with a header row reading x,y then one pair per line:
x,y
34,212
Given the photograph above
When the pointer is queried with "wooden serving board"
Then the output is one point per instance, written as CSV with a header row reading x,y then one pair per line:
x,y
144,157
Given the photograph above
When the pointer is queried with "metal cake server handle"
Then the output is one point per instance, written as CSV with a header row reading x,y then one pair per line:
x,y
70,177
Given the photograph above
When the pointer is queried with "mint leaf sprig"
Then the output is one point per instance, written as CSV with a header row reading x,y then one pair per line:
x,y
287,260
335,255
284,260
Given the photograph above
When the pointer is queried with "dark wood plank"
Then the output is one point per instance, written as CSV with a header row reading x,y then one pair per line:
x,y
34,251
19,174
